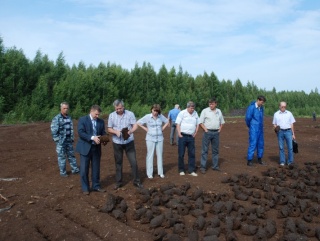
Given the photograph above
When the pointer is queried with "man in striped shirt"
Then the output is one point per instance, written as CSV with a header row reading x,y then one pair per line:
x,y
118,120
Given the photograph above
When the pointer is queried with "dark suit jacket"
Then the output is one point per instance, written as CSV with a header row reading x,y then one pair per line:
x,y
85,131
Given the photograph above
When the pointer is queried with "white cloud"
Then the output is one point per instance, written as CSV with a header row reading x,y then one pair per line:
x,y
261,41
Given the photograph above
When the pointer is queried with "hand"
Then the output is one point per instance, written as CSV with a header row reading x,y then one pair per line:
x,y
96,140
118,133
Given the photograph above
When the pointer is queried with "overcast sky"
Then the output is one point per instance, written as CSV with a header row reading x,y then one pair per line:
x,y
274,43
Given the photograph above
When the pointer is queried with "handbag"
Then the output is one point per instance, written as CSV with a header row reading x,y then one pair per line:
x,y
295,146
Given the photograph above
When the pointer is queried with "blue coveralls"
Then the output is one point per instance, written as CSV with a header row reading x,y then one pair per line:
x,y
254,121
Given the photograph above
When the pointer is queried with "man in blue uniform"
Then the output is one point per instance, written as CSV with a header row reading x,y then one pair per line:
x,y
254,121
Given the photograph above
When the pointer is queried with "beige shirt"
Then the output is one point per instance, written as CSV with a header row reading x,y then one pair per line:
x,y
212,119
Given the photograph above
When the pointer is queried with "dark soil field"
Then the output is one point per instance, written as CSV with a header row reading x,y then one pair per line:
x,y
238,203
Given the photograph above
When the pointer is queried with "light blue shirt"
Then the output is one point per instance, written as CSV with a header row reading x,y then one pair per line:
x,y
173,114
154,126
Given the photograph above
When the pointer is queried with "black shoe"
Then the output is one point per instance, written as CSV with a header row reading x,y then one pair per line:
x,y
261,162
217,169
249,163
138,185
203,171
99,190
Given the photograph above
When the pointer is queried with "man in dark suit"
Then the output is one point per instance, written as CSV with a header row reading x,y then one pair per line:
x,y
90,127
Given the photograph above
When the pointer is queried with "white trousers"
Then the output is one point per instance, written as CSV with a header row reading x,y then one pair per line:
x,y
151,146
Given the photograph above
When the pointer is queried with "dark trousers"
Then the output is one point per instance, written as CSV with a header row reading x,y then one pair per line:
x,y
186,141
173,133
210,137
130,150
93,157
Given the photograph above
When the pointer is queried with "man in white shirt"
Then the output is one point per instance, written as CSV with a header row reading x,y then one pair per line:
x,y
285,120
187,125
211,121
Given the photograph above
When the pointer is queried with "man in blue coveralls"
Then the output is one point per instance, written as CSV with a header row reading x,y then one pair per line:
x,y
254,121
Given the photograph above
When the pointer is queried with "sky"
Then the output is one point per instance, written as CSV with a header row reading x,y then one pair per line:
x,y
272,43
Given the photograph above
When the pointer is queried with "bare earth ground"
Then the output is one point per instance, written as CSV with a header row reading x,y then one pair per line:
x,y
46,206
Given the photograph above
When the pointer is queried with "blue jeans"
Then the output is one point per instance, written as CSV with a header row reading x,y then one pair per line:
x,y
287,136
186,141
207,138
172,132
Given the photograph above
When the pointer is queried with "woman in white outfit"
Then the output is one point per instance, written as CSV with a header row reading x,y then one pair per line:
x,y
154,124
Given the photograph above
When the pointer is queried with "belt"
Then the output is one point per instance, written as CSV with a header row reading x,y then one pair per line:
x,y
285,129
214,130
185,134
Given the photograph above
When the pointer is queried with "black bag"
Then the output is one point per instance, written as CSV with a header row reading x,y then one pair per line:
x,y
295,146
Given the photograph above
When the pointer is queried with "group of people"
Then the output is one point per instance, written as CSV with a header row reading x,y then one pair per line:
x,y
184,127
282,119
90,129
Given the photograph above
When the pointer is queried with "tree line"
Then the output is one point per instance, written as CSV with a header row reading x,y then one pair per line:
x,y
31,90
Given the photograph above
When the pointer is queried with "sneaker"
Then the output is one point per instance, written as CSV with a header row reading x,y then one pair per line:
x,y
193,174
282,164
182,173
162,176
150,177
64,175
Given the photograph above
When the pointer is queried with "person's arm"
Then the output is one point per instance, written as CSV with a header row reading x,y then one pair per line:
x,y
55,129
178,129
82,131
249,115
203,127
293,135
169,119
114,132
221,121
165,125
141,123
133,129
195,133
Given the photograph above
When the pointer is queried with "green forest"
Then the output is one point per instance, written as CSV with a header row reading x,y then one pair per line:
x,y
32,89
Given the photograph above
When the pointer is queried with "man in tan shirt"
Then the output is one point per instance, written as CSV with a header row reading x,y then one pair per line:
x,y
211,121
